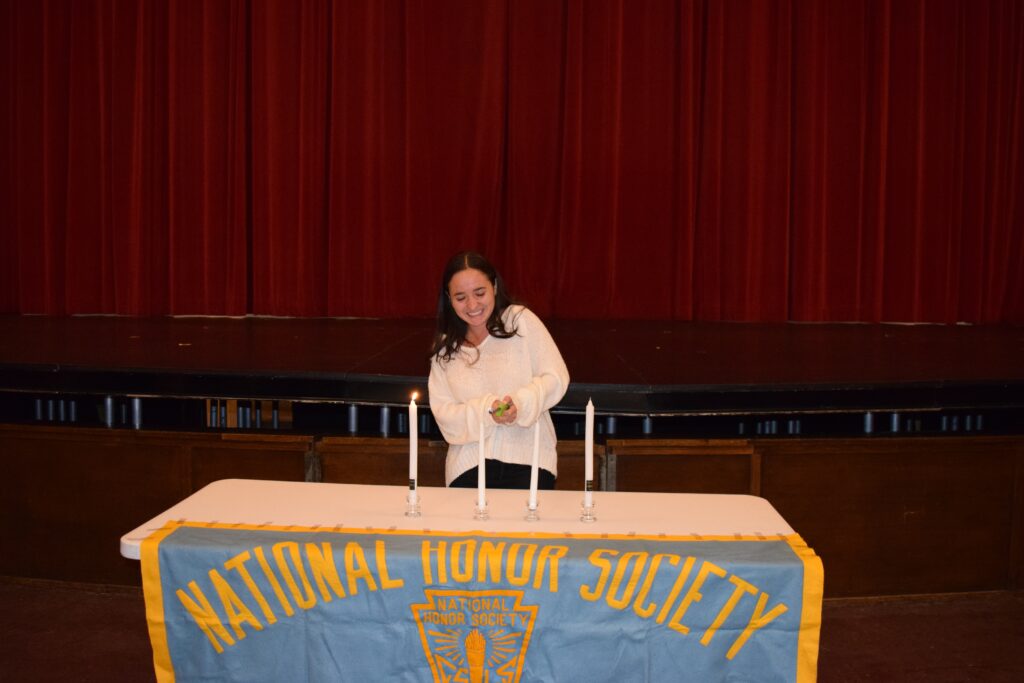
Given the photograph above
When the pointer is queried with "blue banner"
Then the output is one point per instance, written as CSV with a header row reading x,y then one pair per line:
x,y
285,604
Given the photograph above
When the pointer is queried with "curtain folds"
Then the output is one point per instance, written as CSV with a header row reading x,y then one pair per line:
x,y
690,159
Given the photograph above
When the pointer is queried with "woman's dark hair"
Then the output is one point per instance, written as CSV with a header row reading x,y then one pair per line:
x,y
451,329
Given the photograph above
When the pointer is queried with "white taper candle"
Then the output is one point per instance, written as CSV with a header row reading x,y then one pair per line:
x,y
535,464
481,472
588,456
414,446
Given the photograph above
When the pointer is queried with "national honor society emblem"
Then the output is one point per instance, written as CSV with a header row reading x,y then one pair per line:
x,y
475,636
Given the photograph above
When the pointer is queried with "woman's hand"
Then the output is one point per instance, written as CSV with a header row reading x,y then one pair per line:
x,y
508,414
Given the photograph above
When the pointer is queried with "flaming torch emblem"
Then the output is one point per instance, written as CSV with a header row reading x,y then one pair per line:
x,y
476,653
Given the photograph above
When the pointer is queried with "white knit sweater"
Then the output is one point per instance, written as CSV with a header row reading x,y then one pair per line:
x,y
527,367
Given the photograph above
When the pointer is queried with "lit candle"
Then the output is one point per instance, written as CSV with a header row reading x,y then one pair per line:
x,y
481,472
588,457
535,465
414,445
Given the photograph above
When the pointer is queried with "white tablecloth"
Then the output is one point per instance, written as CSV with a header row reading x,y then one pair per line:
x,y
279,503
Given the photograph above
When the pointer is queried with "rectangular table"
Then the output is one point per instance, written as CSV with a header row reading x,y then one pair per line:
x,y
259,580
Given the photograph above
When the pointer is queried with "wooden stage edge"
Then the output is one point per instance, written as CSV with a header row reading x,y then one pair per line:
x,y
641,368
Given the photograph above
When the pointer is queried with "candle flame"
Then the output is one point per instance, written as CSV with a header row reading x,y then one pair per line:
x,y
415,395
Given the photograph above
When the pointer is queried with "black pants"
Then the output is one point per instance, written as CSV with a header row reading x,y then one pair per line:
x,y
503,475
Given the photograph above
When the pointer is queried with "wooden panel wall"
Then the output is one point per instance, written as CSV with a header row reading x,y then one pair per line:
x,y
903,515
383,461
887,515
69,494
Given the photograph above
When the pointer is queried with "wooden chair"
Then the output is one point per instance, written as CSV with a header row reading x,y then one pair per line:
x,y
571,466
683,465
378,460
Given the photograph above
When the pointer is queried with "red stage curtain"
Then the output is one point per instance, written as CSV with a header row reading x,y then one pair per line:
x,y
726,160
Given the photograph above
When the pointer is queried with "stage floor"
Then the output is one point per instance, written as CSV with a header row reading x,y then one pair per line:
x,y
643,368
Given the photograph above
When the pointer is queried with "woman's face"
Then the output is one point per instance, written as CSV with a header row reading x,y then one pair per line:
x,y
472,297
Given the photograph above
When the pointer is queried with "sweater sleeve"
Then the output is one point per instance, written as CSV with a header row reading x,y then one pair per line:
x,y
550,376
458,421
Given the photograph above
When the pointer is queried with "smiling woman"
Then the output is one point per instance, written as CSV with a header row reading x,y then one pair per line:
x,y
472,298
495,372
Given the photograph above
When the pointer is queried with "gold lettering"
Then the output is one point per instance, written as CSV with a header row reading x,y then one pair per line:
x,y
321,564
646,612
684,573
596,558
304,598
426,550
236,610
274,583
524,577
386,582
694,595
620,570
356,567
550,555
730,604
757,620
237,563
490,561
204,616
462,560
